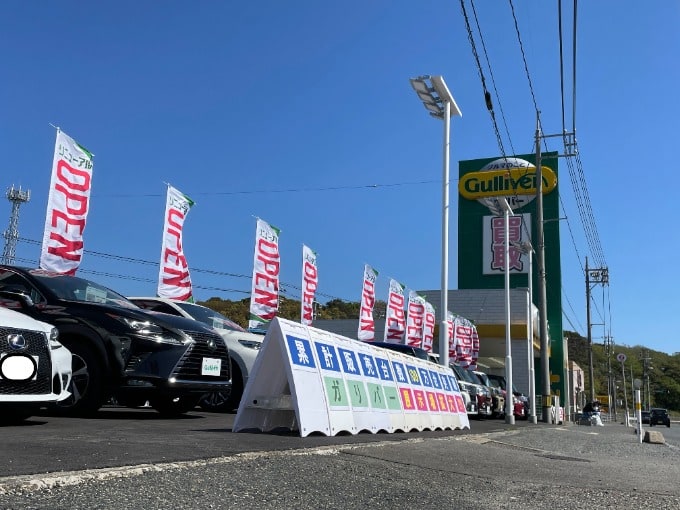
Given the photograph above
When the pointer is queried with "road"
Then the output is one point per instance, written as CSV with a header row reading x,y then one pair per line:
x,y
129,459
121,437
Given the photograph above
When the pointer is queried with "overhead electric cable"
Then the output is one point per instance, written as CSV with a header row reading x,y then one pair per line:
x,y
151,263
493,80
288,190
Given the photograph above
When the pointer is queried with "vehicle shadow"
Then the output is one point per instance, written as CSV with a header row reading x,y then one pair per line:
x,y
123,413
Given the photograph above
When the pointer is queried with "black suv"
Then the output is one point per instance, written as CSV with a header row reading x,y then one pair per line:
x,y
659,416
119,350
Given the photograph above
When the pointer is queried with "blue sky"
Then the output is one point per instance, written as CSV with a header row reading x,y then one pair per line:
x,y
301,113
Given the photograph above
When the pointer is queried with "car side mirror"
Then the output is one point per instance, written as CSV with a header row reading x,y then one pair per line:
x,y
23,300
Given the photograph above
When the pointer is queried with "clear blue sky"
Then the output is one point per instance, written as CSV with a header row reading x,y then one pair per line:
x,y
291,111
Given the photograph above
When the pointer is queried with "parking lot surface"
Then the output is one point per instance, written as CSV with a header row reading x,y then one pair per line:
x,y
134,459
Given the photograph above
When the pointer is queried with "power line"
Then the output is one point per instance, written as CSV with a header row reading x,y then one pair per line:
x,y
493,80
487,95
289,190
151,263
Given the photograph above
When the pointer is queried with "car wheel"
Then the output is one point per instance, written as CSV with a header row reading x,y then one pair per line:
x,y
86,382
171,406
225,401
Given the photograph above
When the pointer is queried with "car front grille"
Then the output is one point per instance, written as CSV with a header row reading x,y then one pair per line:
x,y
36,346
205,345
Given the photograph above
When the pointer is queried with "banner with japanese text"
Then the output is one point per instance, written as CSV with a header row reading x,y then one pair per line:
x,y
428,327
395,317
264,298
366,323
415,319
493,237
174,281
67,206
450,328
467,343
310,281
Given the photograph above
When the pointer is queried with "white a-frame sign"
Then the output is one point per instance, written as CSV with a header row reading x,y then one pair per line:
x,y
312,381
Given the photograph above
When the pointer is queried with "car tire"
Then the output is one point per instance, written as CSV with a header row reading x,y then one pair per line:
x,y
172,406
86,385
222,401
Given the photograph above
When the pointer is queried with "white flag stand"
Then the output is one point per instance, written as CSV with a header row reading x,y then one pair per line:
x,y
312,381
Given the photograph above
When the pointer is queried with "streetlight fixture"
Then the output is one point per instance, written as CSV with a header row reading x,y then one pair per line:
x,y
526,248
437,99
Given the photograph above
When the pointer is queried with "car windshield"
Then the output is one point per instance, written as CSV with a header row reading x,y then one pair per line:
x,y
210,317
495,383
464,375
499,381
72,288
483,378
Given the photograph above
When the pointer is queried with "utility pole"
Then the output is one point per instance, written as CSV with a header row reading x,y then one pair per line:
x,y
17,197
646,361
611,380
595,276
569,140
542,299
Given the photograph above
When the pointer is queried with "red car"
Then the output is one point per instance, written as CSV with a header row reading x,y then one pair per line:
x,y
520,403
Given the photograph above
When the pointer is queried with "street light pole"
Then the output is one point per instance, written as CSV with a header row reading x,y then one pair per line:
x,y
437,99
526,248
509,395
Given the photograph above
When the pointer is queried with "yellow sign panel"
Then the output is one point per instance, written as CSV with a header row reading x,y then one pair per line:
x,y
505,182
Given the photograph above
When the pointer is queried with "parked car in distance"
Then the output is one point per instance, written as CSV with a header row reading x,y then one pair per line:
x,y
416,352
520,402
119,351
659,416
478,392
35,368
645,416
243,346
497,395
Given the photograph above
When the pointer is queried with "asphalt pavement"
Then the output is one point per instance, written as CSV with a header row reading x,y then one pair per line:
x,y
493,466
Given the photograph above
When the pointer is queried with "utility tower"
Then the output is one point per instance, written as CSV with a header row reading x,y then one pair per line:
x,y
593,277
17,197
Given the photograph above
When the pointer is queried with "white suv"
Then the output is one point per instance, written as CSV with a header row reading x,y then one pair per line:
x,y
35,368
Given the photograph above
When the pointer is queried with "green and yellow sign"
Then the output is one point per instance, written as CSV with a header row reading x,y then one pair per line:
x,y
508,181
480,238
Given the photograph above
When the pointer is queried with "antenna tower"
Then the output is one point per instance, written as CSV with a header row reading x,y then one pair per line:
x,y
17,197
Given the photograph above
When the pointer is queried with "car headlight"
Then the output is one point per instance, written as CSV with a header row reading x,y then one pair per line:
x,y
251,344
54,339
153,331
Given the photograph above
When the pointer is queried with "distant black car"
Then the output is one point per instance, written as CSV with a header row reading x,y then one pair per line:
x,y
405,348
119,350
659,416
645,416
